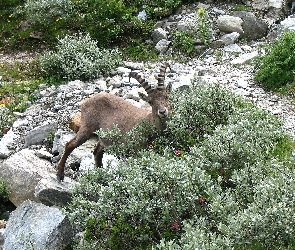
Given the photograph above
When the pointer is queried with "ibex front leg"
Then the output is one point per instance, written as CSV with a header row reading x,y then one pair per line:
x,y
81,137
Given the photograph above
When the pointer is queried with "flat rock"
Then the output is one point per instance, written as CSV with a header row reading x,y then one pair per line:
x,y
50,191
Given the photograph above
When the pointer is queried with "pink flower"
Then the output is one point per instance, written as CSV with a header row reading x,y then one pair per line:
x,y
151,147
202,200
177,152
174,225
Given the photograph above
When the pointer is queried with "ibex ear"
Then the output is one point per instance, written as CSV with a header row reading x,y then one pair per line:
x,y
169,87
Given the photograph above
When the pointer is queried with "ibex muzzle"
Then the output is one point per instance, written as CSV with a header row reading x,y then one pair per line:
x,y
104,111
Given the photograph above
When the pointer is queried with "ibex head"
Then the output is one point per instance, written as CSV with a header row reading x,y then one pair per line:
x,y
157,97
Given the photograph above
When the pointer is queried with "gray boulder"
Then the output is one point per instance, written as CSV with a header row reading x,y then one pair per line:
x,y
230,38
253,27
162,46
159,34
36,226
230,24
52,192
23,170
40,133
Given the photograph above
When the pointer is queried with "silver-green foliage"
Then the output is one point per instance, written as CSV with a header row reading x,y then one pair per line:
x,y
231,189
79,57
44,12
6,118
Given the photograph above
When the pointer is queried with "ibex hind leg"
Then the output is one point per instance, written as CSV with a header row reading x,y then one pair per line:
x,y
81,137
98,154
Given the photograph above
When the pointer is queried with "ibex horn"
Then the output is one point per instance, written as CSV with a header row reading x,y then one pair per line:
x,y
142,81
161,76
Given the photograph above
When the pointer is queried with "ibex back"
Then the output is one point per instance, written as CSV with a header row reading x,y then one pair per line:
x,y
104,111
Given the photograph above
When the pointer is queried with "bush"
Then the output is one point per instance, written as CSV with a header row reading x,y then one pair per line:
x,y
6,118
44,13
79,57
276,67
196,113
199,30
4,192
109,22
191,199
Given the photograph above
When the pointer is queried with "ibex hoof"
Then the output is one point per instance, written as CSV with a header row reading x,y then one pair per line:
x,y
60,177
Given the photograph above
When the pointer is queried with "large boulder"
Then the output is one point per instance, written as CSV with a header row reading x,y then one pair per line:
x,y
253,27
23,170
36,226
230,24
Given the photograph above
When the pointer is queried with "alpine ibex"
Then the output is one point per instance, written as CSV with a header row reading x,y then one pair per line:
x,y
104,111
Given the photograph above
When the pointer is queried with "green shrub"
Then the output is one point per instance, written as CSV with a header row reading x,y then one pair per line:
x,y
79,57
197,111
6,118
199,32
275,68
4,191
191,199
109,22
184,42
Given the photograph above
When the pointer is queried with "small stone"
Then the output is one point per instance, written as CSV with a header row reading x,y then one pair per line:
x,y
242,83
277,111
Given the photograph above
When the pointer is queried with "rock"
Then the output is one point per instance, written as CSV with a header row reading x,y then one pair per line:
x,y
242,83
101,84
36,226
123,71
142,15
287,24
245,58
233,48
70,87
265,4
162,46
50,191
43,154
40,133
274,9
159,34
7,144
228,23
115,82
23,170
253,27
218,11
230,38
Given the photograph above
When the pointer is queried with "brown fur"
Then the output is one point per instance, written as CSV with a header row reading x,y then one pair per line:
x,y
104,111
